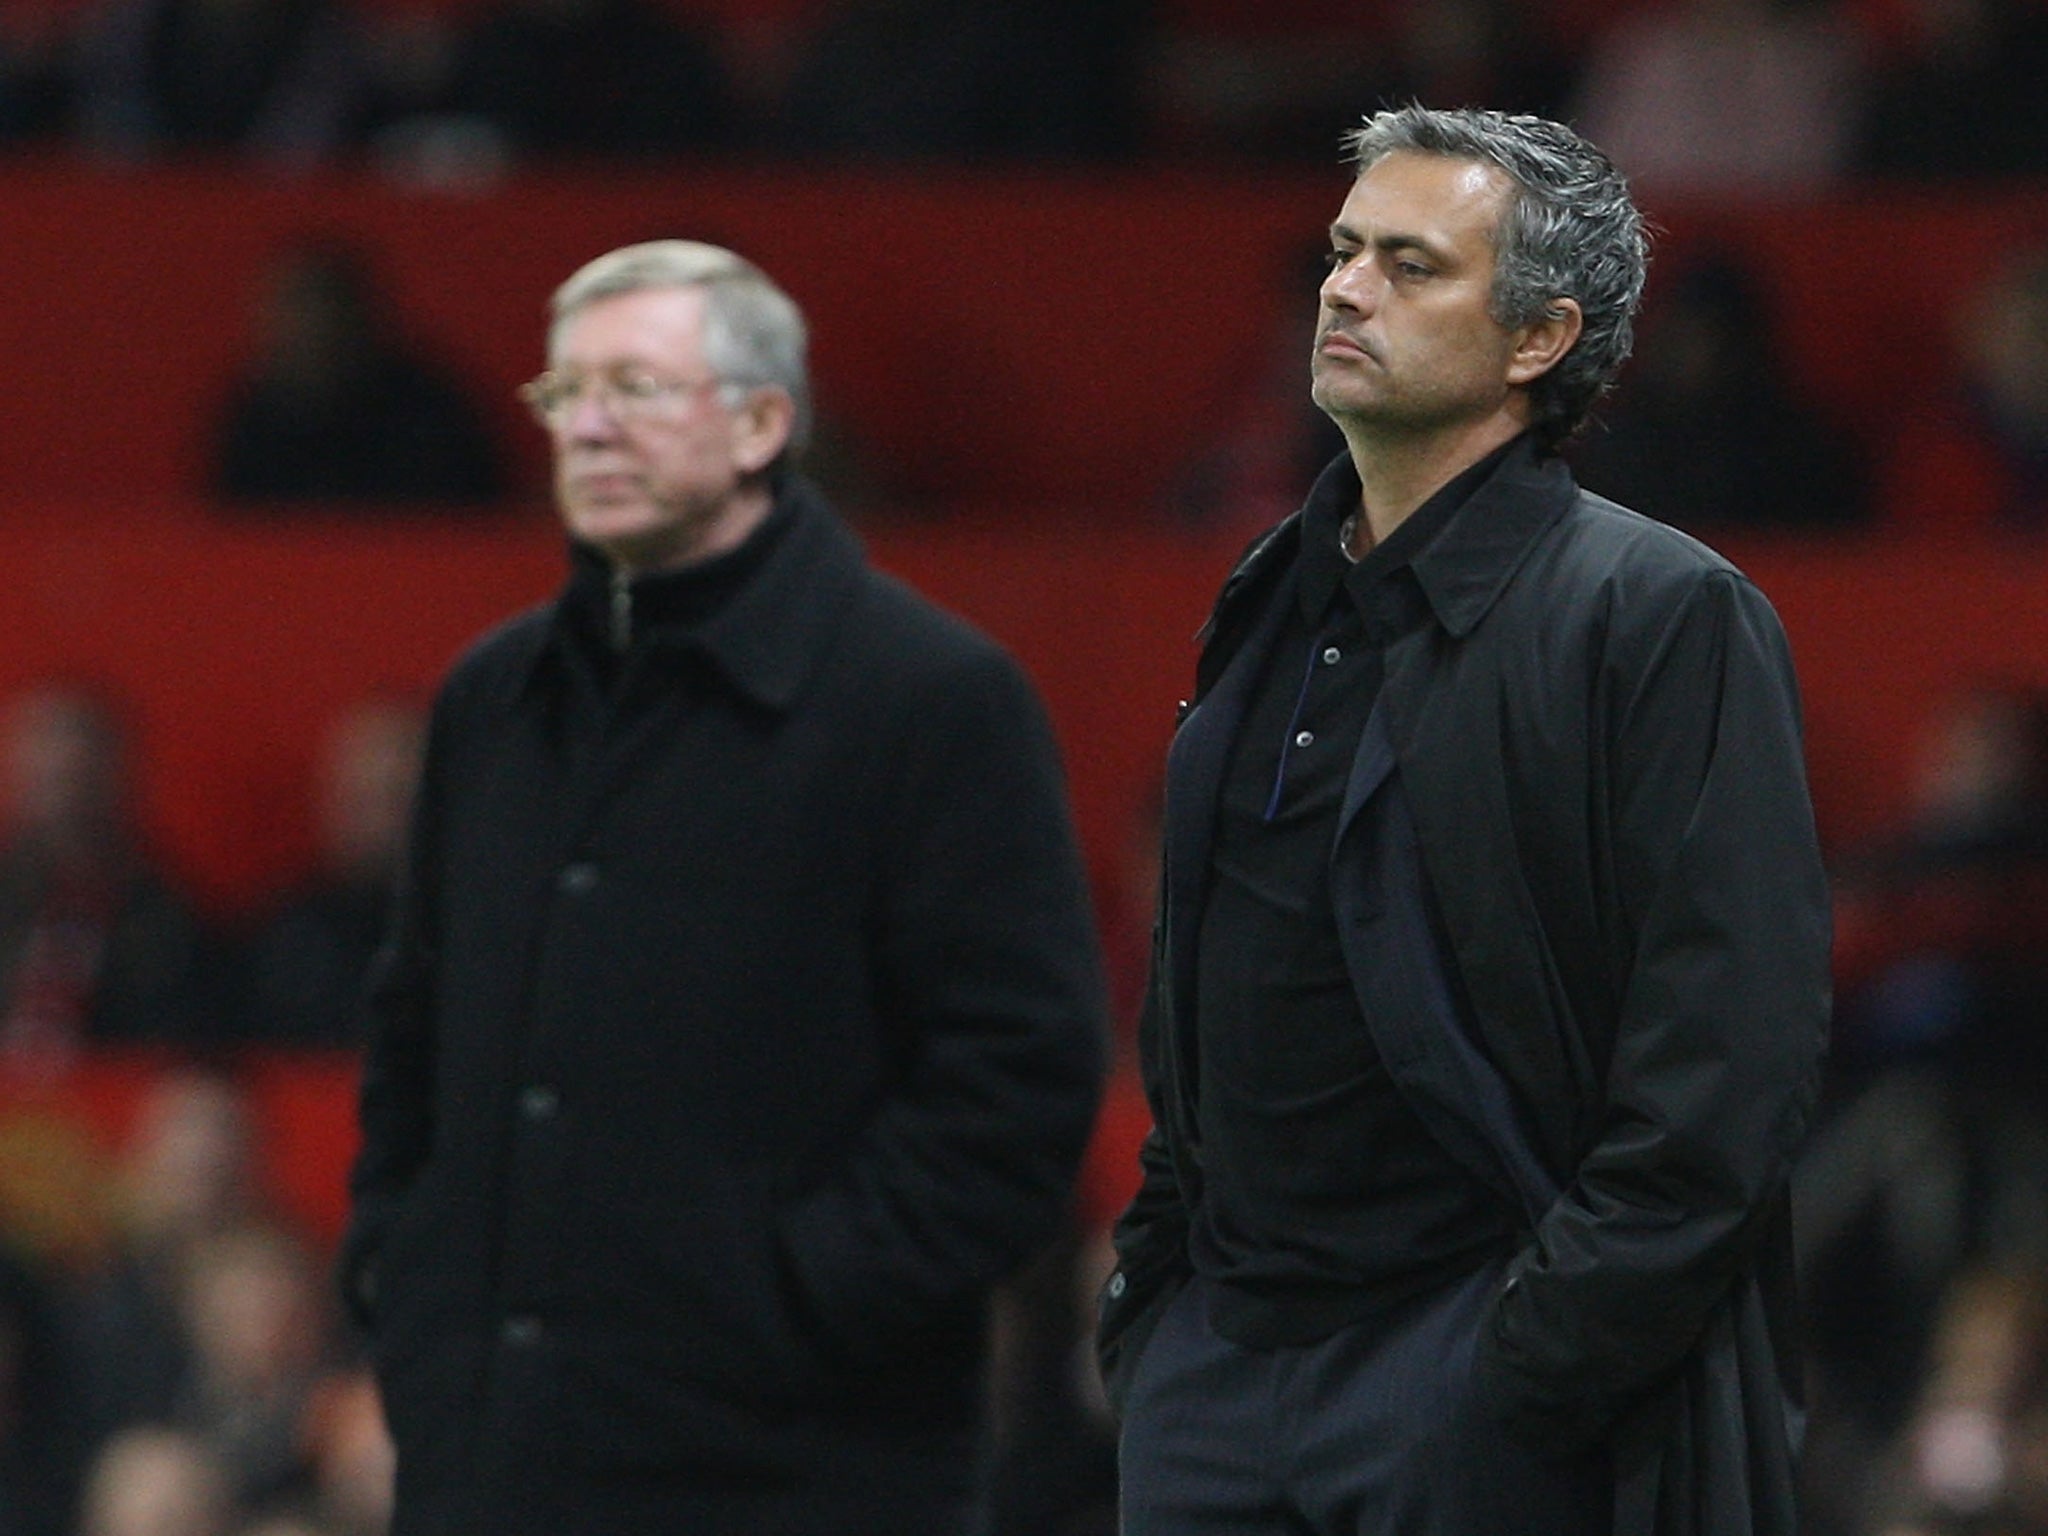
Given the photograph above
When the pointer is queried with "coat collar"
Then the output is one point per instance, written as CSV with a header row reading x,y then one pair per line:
x,y
1468,564
763,637
1464,565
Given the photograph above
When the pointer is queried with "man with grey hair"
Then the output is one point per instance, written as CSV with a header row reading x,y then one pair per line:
x,y
1491,977
739,1026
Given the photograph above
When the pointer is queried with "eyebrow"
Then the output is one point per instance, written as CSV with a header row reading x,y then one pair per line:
x,y
609,365
1343,234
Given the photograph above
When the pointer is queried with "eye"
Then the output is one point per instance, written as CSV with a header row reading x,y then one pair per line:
x,y
1337,258
555,391
1412,269
638,386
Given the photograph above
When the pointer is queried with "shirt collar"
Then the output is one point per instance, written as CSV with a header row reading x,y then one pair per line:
x,y
1325,515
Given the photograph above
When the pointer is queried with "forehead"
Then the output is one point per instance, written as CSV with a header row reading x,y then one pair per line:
x,y
1452,203
648,325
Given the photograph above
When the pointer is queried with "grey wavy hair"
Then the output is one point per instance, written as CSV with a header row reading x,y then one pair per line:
x,y
754,335
1570,230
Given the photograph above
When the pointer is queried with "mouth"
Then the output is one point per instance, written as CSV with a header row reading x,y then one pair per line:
x,y
602,482
1337,343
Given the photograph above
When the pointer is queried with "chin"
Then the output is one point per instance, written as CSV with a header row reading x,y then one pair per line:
x,y
1340,406
604,525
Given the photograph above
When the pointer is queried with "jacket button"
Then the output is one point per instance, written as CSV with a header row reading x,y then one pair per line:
x,y
539,1102
578,879
522,1331
1116,1285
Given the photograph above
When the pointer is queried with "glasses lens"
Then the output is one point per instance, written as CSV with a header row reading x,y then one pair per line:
x,y
625,396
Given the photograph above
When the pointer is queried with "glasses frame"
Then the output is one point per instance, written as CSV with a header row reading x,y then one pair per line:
x,y
626,395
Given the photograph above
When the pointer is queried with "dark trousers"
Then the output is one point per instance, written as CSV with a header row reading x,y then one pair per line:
x,y
852,1505
1372,1432
864,1484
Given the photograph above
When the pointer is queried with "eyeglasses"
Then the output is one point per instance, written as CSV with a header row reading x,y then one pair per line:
x,y
629,394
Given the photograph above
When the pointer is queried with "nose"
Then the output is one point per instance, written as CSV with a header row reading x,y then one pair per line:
x,y
590,416
1354,284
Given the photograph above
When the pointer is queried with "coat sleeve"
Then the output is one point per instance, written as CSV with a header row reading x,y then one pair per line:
x,y
1723,1013
1150,1236
395,1109
988,968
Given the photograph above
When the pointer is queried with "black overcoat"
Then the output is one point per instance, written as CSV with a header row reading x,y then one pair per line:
x,y
737,1032
1599,741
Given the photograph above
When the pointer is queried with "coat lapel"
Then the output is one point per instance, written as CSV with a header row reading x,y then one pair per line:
x,y
1369,770
1194,782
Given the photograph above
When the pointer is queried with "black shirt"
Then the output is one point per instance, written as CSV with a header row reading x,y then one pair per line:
x,y
1324,1197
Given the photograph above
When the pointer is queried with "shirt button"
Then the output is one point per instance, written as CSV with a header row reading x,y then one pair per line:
x,y
539,1102
1331,655
521,1332
1117,1285
1305,738
579,879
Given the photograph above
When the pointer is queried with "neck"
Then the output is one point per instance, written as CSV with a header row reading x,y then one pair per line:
x,y
1398,473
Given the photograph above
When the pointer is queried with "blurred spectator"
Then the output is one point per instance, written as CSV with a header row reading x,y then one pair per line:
x,y
286,1523
613,78
974,78
277,79
155,1481
1974,1457
411,53
306,966
188,1174
95,943
1476,53
1961,101
1262,82
34,89
1706,430
252,1310
353,1460
338,407
213,1320
1929,1159
41,1429
1975,457
1942,931
1724,95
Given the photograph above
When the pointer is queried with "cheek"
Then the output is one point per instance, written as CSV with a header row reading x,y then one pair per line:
x,y
1476,346
700,460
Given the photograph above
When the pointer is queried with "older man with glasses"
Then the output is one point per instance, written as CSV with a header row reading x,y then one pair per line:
x,y
739,1026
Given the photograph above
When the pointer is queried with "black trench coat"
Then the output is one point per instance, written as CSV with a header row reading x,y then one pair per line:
x,y
738,1031
1599,741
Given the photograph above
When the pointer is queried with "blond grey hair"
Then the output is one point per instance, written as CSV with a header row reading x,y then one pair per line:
x,y
754,335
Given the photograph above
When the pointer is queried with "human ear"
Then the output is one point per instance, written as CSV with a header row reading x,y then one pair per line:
x,y
1543,341
761,427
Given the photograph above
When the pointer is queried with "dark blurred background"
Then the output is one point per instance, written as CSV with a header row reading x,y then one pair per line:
x,y
272,270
